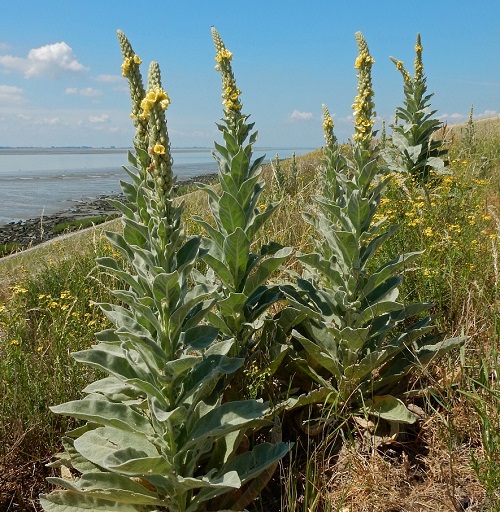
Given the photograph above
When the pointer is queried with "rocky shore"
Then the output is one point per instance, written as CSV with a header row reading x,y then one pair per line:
x,y
31,232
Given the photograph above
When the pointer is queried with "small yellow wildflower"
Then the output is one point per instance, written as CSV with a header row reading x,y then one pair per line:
x,y
493,236
159,149
223,54
15,342
2,308
18,290
428,231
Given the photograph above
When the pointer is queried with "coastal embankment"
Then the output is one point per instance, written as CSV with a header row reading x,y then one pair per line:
x,y
31,232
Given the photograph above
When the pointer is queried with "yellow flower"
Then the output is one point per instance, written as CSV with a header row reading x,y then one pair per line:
x,y
15,342
428,231
137,59
223,54
159,149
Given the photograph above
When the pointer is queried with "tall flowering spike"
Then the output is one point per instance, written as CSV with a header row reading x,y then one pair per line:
x,y
401,68
153,107
230,92
330,138
363,105
419,67
130,70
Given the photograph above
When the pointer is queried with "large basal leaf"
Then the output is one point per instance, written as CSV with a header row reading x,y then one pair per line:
x,y
130,461
113,363
105,413
96,445
70,501
389,408
111,486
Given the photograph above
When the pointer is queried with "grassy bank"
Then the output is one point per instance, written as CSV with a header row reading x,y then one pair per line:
x,y
449,460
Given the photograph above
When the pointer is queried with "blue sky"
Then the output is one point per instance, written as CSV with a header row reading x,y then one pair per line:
x,y
61,84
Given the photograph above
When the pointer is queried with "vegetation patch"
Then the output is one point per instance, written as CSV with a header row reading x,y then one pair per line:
x,y
319,334
87,222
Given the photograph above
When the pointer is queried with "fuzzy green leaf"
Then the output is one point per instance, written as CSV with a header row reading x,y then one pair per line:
x,y
96,445
232,215
236,249
226,418
105,413
389,408
70,501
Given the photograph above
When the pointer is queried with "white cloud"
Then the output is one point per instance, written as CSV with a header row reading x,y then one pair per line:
x,y
103,118
87,92
46,121
109,79
487,113
454,118
51,60
11,95
460,118
296,115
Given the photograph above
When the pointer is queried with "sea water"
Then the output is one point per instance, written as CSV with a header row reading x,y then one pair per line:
x,y
37,182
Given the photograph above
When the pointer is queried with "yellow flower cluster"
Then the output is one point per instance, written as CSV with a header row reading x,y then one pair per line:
x,y
328,127
131,70
223,55
129,61
419,67
363,105
401,68
154,97
230,92
363,59
231,97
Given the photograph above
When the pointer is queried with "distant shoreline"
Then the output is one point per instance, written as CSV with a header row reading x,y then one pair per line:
x,y
31,232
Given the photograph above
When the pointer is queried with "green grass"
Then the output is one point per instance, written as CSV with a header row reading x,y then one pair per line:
x,y
46,313
87,222
10,248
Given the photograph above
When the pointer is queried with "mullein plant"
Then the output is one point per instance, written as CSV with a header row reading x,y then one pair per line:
x,y
358,341
238,217
156,434
415,152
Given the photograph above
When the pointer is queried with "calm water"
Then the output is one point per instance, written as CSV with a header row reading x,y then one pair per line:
x,y
36,182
